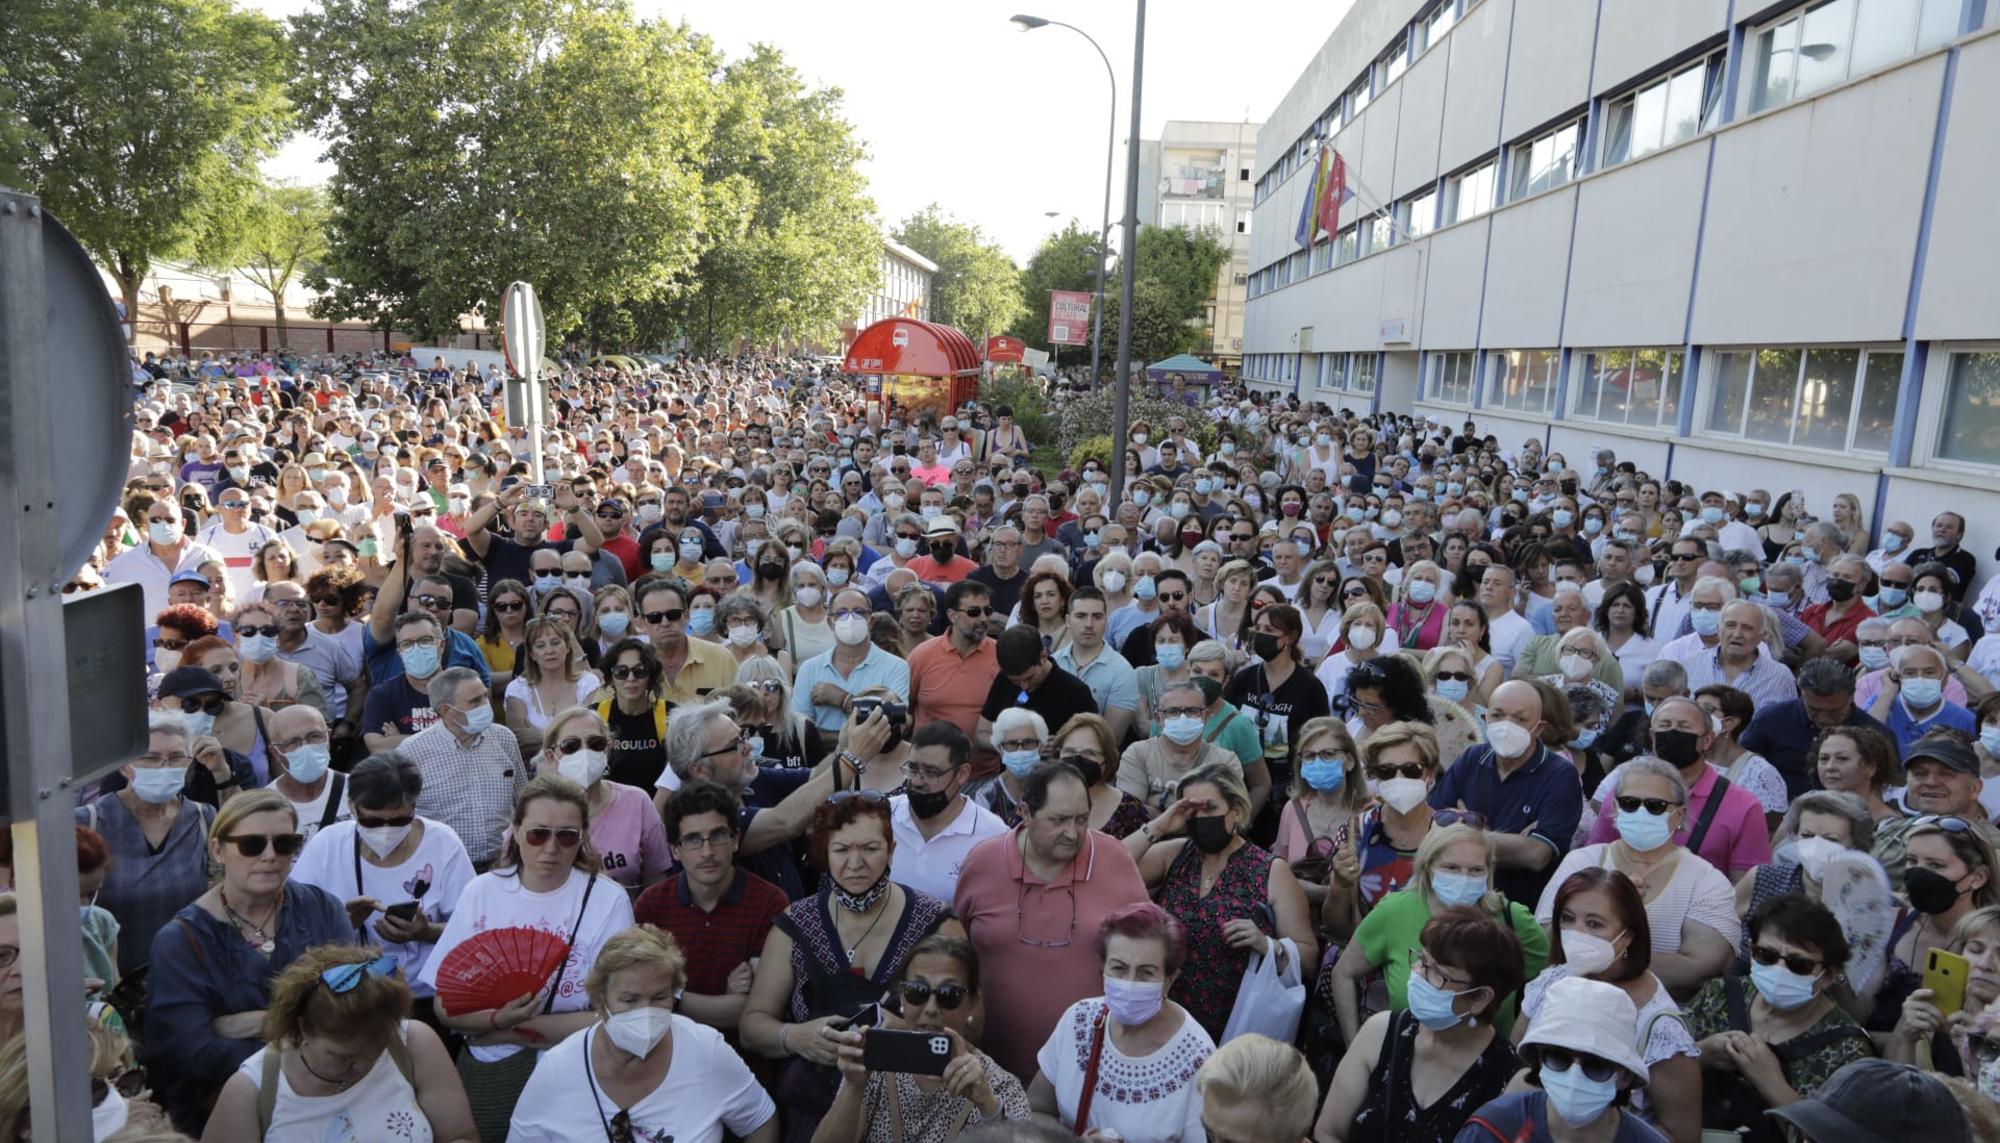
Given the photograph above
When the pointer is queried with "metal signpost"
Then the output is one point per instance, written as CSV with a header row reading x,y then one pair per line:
x,y
522,335
65,442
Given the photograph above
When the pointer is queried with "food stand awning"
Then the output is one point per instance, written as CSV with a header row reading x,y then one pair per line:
x,y
905,346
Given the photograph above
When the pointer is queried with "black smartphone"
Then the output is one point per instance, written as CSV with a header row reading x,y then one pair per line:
x,y
405,911
914,1053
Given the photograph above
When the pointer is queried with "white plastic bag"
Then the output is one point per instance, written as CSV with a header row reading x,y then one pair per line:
x,y
1269,1002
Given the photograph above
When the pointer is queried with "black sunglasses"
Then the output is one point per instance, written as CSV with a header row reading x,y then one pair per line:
x,y
1406,770
1768,956
1632,805
670,615
252,844
365,821
213,704
631,672
840,796
253,631
917,993
1562,1059
595,742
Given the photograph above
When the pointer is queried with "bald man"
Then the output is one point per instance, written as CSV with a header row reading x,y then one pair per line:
x,y
1532,800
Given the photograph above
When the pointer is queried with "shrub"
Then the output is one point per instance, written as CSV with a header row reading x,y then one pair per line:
x,y
1096,448
1091,416
1024,395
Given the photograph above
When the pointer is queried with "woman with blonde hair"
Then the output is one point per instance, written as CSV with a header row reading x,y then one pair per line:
x,y
1924,1034
342,1055
274,562
553,677
625,829
1421,604
266,680
1226,619
1257,1090
121,1106
649,1073
1362,628
610,617
1316,829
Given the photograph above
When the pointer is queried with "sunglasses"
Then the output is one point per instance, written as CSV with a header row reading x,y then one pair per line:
x,y
840,796
631,672
1795,962
253,844
1562,1059
328,601
516,605
342,978
567,837
768,686
1946,822
363,821
1473,818
253,631
213,704
917,993
1172,596
595,742
1655,806
1405,770
670,615
130,1082
1456,676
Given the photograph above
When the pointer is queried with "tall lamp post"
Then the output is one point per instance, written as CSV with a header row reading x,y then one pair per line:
x,y
1029,24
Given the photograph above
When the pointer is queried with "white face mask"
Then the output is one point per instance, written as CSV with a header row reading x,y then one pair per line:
x,y
583,767
158,785
743,634
1361,638
806,596
638,1030
382,840
109,1118
1403,794
1575,667
1587,953
851,630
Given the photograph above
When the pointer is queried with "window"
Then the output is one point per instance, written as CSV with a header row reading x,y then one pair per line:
x,y
1639,387
1242,224
1393,62
1812,48
1301,266
1452,377
1332,371
1420,214
1471,194
1322,257
1970,428
1524,380
1350,245
1545,162
1361,372
1839,398
1357,98
1664,112
1432,26
1243,174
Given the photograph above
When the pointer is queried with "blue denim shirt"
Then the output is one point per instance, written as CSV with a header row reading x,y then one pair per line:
x,y
202,969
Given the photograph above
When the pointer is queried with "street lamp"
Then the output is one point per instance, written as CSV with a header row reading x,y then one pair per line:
x,y
1029,24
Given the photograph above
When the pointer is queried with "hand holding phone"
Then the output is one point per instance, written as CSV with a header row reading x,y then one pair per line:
x,y
1945,974
914,1053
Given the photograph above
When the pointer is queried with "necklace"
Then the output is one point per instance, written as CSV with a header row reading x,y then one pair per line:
x,y
265,941
878,897
339,1085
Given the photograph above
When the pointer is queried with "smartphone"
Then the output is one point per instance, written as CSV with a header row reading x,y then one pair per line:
x,y
913,1053
1944,975
541,492
405,911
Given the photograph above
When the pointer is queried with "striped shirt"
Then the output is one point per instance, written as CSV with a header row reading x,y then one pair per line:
x,y
713,942
1766,681
469,788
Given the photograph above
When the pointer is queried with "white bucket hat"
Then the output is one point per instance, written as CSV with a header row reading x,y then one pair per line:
x,y
1591,1017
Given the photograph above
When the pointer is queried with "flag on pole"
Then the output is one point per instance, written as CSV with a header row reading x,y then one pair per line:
x,y
1333,192
1309,205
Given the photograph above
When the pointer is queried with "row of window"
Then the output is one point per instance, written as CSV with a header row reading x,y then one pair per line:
x,y
1353,373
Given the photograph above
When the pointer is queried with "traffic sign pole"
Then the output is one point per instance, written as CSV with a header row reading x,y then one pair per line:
x,y
34,699
522,335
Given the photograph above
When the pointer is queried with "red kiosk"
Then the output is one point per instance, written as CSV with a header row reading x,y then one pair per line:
x,y
918,365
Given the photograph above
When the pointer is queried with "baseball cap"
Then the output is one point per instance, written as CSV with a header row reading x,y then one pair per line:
x,y
188,576
191,681
1877,1101
1942,748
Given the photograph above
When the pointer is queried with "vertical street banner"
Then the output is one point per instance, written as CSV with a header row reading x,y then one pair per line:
x,y
1069,317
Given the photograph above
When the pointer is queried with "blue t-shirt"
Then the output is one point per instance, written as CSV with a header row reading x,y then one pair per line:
x,y
1523,1117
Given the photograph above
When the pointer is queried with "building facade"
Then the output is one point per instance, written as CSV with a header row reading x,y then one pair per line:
x,y
1200,174
904,289
1742,244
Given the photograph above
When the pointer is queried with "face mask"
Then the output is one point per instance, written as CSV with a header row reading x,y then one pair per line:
x,y
649,513
1562,517
165,533
1929,891
1453,689
1141,497
308,763
1509,740
1989,737
1133,1002
1644,574
158,785
754,511
906,547
661,561
1145,588
1431,1005
311,515
613,623
548,583
1680,747
1592,525
1922,694
1170,655
200,723
579,582
638,1030
166,660
1361,638
1839,590
478,720
1780,987
1020,762
1706,622
1265,645
1322,774
1711,515
741,634
1644,831
1587,953
1575,667
1810,555
1181,729
851,630
583,767
1210,833
1889,596
109,1118
1402,794
1458,888
1929,602
1520,496
927,804
1422,591
1114,581
753,548
259,648
1228,448
1576,1097
690,551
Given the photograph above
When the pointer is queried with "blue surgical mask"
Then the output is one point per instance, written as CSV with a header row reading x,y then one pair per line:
x,y
1322,773
1645,831
479,719
1592,525
548,583
613,623
1989,737
1145,588
1704,621
1020,762
1584,738
1575,1096
836,576
1170,655
1562,517
1431,1005
1893,596
1711,515
309,762
1458,888
1453,689
1780,987
661,561
1203,486
1923,693
1181,729
1090,539
420,662
701,622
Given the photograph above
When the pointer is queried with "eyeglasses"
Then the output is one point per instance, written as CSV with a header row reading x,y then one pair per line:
x,y
1473,818
1455,676
631,672
975,612
566,837
253,630
1020,920
416,644
1655,806
1796,962
130,1082
917,993
768,686
595,742
213,704
1383,773
312,738
253,844
367,821
670,615
840,796
169,644
1172,596
925,773
740,743
1946,822
343,977
1422,965
1562,1059
700,841
1683,557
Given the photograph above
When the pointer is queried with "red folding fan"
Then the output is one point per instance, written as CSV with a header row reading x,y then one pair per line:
x,y
494,968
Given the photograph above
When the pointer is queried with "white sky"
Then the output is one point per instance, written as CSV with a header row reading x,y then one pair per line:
x,y
999,126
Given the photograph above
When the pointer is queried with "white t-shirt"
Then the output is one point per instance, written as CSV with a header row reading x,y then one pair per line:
x,y
1510,634
498,901
382,1106
520,689
312,813
1698,892
1151,1099
932,866
237,549
707,1088
438,866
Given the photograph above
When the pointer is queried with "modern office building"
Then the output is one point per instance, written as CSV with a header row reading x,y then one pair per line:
x,y
1199,174
904,289
1743,244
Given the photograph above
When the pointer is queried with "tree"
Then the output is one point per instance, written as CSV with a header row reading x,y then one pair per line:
x,y
791,247
977,288
274,234
1063,262
1176,277
131,117
476,142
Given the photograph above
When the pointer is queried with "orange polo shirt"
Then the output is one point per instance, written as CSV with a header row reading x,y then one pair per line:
x,y
949,687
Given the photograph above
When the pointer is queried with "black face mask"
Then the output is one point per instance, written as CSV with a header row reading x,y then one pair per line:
x,y
770,571
1680,747
1092,772
927,804
1265,645
942,553
1839,590
1020,490
1928,890
1209,833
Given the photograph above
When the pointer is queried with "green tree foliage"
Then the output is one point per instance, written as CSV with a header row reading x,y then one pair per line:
x,y
977,288
131,118
1063,262
476,142
274,234
1176,277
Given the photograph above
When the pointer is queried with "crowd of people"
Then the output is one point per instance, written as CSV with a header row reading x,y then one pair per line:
x,y
878,774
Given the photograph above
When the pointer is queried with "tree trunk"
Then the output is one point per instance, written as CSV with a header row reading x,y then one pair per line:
x,y
278,307
128,285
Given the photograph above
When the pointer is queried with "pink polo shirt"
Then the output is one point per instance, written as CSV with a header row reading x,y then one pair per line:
x,y
1029,986
1737,841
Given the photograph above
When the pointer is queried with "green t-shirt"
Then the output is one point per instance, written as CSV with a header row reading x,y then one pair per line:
x,y
1391,928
